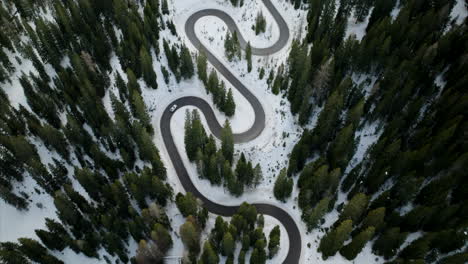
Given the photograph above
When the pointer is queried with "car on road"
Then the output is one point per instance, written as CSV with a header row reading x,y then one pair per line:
x,y
173,108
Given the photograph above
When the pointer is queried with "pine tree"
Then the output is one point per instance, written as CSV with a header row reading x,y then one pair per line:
x,y
51,239
274,241
190,235
11,254
354,115
165,7
186,65
147,68
248,57
234,186
236,46
230,105
139,111
132,84
374,218
258,255
258,175
261,74
260,23
187,204
418,248
212,172
213,82
209,256
172,28
334,239
36,252
316,214
162,237
195,135
165,74
283,186
148,252
351,250
227,141
241,257
341,149
389,242
228,46
232,46
228,244
202,67
355,208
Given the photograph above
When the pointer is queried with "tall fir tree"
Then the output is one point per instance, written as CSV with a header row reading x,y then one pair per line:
x,y
283,186
202,67
227,142
248,56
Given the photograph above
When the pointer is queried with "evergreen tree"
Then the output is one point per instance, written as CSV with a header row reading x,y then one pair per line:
x,y
190,236
283,186
230,105
316,214
202,67
165,74
36,252
187,204
228,244
248,57
186,65
165,7
334,239
258,175
351,250
418,248
260,23
232,46
241,257
148,252
355,208
147,68
227,142
213,83
162,237
274,241
388,243
209,256
11,254
341,149
375,218
234,186
261,74
139,111
234,2
195,135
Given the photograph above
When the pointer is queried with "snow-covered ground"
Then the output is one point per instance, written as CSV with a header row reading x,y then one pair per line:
x,y
268,149
459,11
355,27
272,147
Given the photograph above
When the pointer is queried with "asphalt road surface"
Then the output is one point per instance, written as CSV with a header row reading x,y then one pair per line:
x,y
294,235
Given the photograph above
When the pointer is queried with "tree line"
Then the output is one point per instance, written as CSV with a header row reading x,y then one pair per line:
x,y
405,54
65,113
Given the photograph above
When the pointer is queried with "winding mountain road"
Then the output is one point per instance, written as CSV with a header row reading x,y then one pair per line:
x,y
288,222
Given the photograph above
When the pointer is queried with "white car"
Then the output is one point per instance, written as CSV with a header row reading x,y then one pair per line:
x,y
173,108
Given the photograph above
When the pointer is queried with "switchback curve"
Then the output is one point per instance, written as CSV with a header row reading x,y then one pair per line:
x,y
288,222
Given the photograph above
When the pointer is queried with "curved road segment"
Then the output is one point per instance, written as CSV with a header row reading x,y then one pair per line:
x,y
294,252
